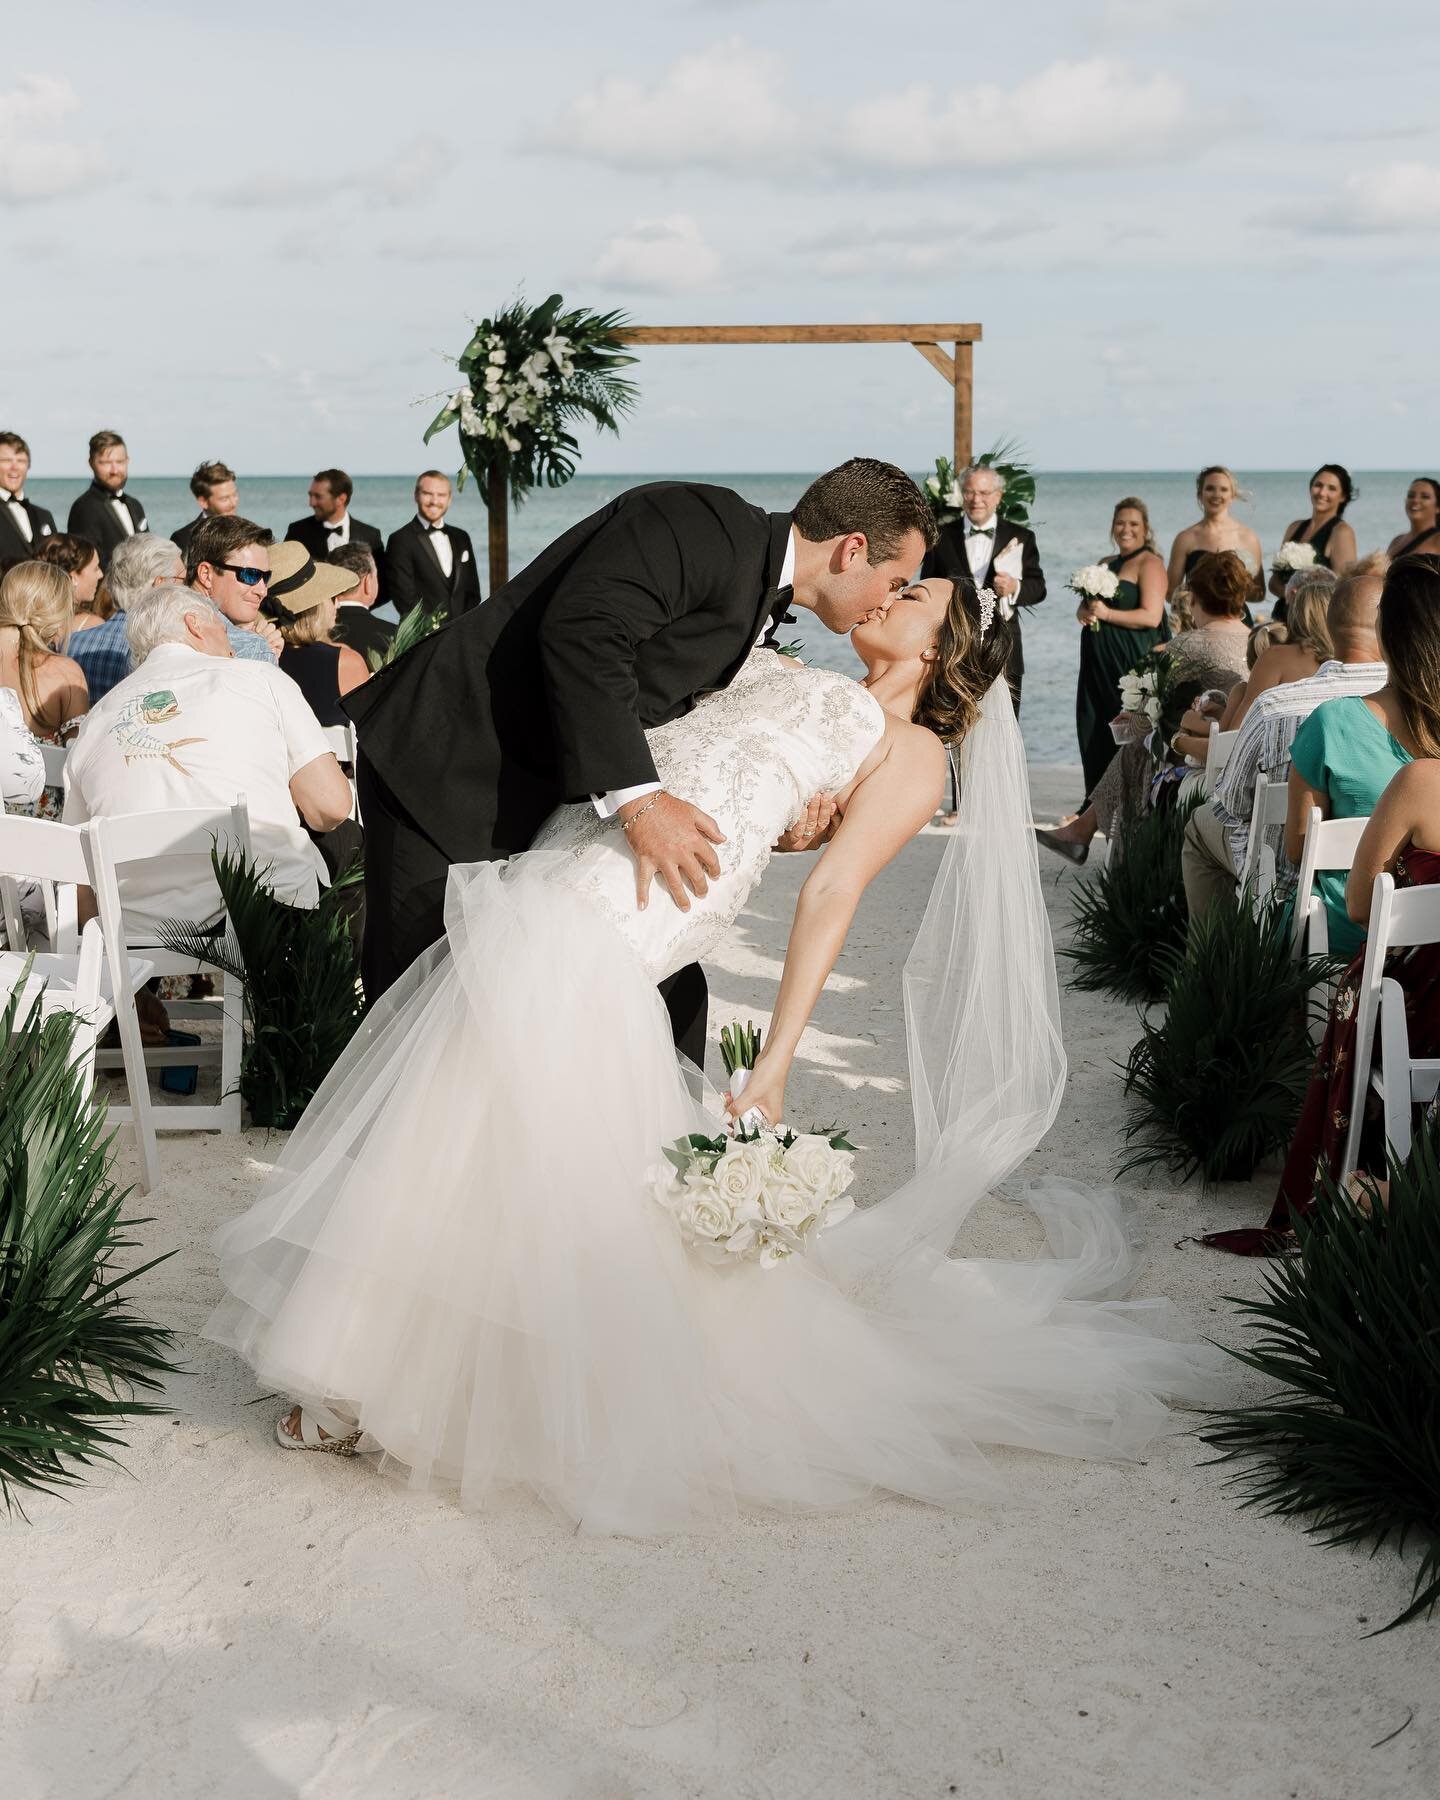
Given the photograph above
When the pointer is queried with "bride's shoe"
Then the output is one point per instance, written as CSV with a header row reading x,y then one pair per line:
x,y
319,1430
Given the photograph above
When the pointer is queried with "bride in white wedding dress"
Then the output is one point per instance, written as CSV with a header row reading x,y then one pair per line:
x,y
457,1263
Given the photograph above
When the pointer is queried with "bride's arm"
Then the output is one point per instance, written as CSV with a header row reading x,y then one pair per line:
x,y
884,812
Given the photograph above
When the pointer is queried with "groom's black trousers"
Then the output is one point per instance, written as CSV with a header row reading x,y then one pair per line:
x,y
405,877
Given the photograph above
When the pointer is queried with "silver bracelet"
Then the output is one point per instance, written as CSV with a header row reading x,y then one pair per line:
x,y
640,811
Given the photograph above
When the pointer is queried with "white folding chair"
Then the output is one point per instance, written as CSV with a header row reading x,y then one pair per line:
x,y
85,982
140,837
1330,846
1217,754
1268,812
54,759
340,740
62,931
1398,920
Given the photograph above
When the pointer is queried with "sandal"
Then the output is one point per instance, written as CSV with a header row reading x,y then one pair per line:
x,y
319,1430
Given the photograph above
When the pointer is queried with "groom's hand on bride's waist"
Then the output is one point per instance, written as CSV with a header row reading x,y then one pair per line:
x,y
673,840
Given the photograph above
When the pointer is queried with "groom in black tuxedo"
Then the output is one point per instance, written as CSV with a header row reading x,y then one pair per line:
x,y
543,694
24,526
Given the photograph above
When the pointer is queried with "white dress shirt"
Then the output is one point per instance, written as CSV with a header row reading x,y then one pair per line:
x,y
122,513
607,805
336,535
18,514
980,547
440,543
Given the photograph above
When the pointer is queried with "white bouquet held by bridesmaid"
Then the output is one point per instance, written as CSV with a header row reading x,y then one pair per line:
x,y
1293,555
1094,582
760,1194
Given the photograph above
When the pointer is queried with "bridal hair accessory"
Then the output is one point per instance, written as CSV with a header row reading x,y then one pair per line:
x,y
990,604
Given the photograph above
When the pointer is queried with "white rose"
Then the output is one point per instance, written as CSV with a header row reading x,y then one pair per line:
x,y
742,1172
497,356
705,1212
788,1204
932,485
952,494
809,1163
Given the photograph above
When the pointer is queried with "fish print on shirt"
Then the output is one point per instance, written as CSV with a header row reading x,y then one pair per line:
x,y
138,743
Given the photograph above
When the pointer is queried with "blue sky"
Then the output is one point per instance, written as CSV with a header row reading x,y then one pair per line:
x,y
1193,230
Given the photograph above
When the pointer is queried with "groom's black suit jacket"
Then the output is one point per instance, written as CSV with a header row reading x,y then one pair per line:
x,y
948,559
544,693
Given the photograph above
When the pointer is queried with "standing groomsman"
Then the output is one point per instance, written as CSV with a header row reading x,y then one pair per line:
x,y
22,523
213,485
105,513
430,563
333,524
974,546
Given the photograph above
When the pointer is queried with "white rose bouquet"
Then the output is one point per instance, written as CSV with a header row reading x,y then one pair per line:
x,y
1292,556
1094,582
760,1194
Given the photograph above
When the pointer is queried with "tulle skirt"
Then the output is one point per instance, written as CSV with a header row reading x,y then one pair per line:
x,y
459,1249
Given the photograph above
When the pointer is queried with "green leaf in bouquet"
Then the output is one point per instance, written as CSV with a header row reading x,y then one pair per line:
x,y
443,420
678,1156
841,1142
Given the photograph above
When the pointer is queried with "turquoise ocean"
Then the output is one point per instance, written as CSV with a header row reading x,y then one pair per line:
x,y
1071,518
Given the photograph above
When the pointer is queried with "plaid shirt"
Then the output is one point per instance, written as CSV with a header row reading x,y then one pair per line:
x,y
1263,747
103,652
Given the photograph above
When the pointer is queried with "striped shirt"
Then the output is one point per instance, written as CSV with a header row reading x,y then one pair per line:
x,y
1263,747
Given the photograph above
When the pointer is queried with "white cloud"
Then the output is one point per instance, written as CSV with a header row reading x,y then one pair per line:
x,y
659,256
1401,197
403,177
39,164
731,108
908,247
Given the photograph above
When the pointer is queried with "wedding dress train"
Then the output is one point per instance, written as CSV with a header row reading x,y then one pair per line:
x,y
458,1246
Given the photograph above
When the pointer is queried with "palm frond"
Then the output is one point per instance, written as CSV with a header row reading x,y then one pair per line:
x,y
1130,918
1349,1330
417,624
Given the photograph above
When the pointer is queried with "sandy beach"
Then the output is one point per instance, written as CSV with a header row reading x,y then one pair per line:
x,y
221,1619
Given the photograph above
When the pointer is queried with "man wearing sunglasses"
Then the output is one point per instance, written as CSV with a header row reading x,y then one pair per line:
x,y
228,560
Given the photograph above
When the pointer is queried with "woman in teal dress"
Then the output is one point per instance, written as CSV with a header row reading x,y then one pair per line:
x,y
1127,628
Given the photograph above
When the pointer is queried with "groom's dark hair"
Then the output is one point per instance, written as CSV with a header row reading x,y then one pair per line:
x,y
870,496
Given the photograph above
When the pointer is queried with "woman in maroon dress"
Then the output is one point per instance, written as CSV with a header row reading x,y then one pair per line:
x,y
1403,840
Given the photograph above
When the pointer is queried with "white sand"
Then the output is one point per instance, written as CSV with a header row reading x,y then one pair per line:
x,y
226,1619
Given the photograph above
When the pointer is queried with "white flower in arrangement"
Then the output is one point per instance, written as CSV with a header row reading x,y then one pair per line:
x,y
472,420
741,1173
1132,693
497,356
815,1168
1292,556
1095,582
952,494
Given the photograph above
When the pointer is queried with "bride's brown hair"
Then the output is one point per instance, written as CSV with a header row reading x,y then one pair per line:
x,y
965,665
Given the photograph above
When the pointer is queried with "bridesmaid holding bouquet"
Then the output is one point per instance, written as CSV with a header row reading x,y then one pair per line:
x,y
1120,631
1332,540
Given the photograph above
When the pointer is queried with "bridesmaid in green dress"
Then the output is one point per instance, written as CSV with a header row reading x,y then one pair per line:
x,y
1128,628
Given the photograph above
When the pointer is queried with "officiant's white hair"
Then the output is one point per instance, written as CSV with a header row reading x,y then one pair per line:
x,y
983,469
158,617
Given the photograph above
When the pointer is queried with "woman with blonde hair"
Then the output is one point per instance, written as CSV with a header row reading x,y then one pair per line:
x,y
1119,632
37,610
1217,489
1302,644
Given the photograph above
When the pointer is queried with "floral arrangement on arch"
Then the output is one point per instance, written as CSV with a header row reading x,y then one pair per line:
x,y
530,374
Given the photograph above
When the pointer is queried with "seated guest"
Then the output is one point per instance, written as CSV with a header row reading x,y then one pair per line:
x,y
138,564
302,600
80,560
1348,750
355,623
105,513
1218,833
213,485
22,767
1299,648
229,562
1422,514
1208,657
195,727
429,563
36,607
22,523
1401,838
332,524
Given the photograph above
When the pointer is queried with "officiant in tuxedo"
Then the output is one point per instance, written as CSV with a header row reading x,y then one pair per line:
x,y
996,553
332,524
469,740
23,525
429,563
105,513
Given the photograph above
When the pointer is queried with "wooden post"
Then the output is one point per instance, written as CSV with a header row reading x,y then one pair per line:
x,y
497,505
964,379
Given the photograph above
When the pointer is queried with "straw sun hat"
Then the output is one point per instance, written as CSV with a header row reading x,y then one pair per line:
x,y
298,583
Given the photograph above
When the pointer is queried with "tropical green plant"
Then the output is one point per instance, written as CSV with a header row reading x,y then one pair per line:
x,y
301,979
1218,1083
1350,1330
1130,918
418,623
73,1355
529,374
1007,459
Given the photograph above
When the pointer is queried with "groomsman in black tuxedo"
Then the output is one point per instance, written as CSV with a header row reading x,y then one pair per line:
x,y
355,624
23,524
974,544
332,523
429,563
217,496
105,513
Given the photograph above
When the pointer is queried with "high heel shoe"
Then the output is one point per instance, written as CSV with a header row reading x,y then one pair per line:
x,y
1066,847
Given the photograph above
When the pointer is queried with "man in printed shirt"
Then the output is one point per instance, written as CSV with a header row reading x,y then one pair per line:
x,y
1216,837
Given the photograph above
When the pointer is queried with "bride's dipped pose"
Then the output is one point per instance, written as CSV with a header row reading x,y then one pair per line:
x,y
458,1255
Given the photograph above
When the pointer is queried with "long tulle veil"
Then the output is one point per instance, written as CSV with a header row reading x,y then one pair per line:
x,y
982,1015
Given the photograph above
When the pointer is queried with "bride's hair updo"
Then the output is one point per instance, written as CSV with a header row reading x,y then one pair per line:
x,y
966,665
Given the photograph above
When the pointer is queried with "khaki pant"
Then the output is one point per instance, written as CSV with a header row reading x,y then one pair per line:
x,y
1205,861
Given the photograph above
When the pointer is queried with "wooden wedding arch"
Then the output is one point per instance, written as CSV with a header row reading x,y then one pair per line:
x,y
956,365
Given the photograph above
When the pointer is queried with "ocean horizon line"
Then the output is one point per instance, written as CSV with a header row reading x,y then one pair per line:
x,y
628,474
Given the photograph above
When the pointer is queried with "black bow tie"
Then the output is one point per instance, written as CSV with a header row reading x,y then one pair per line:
x,y
981,531
439,530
